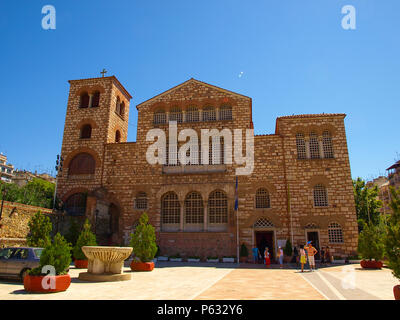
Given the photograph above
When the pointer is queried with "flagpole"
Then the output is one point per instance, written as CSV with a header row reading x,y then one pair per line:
x,y
237,219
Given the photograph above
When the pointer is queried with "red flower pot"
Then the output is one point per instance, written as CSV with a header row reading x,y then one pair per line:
x,y
396,292
81,264
34,283
142,266
371,264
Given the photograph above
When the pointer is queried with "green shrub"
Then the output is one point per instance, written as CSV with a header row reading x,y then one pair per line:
x,y
86,238
73,231
143,241
288,250
370,242
244,252
39,230
56,254
392,238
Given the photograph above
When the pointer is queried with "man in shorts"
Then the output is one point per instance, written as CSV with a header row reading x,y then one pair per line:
x,y
311,251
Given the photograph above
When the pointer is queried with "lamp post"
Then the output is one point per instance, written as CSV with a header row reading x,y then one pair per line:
x,y
4,193
59,166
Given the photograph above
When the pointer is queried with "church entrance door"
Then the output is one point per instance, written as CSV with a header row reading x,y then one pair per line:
x,y
265,239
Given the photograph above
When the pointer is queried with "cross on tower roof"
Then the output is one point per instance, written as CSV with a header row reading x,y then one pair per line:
x,y
103,72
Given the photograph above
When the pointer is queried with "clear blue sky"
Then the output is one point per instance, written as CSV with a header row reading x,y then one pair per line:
x,y
294,55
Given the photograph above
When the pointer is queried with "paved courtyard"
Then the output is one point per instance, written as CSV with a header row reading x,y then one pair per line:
x,y
170,281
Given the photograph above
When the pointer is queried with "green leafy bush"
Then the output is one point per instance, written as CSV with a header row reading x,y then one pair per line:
x,y
39,230
143,241
370,242
392,238
56,254
73,231
244,252
86,238
288,250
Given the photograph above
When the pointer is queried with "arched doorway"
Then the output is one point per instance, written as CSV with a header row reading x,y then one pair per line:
x,y
107,223
264,236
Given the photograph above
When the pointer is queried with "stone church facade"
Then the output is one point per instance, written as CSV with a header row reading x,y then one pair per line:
x,y
300,187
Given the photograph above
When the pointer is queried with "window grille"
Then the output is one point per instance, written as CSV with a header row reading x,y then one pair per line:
x,y
160,117
320,196
194,209
192,115
314,146
170,209
263,223
209,114
335,233
225,113
218,207
301,146
141,201
262,199
175,115
327,145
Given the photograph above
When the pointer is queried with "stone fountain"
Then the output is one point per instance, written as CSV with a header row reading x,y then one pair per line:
x,y
105,263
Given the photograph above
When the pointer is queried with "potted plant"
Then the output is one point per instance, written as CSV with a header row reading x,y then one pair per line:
x,y
392,240
86,238
143,242
52,273
213,259
288,251
176,258
370,246
244,253
193,259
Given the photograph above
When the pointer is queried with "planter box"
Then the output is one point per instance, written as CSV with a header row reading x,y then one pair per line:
x,y
371,264
231,260
81,264
175,259
34,284
338,261
213,260
354,261
142,266
193,260
162,258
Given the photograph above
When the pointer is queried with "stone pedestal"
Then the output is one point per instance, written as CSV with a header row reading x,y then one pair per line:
x,y
105,263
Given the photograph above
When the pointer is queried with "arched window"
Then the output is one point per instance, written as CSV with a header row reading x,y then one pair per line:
x,y
314,146
209,114
86,131
320,196
335,233
96,99
225,113
194,209
301,146
141,201
118,106
122,109
159,117
218,207
75,205
84,100
327,145
82,163
170,209
117,136
175,115
192,114
262,199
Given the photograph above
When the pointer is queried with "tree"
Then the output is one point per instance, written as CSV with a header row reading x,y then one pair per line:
x,y
370,242
392,238
39,230
143,241
57,255
86,238
244,252
367,203
288,250
73,231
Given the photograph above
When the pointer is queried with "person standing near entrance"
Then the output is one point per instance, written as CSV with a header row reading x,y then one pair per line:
x,y
280,257
256,254
311,253
267,259
303,258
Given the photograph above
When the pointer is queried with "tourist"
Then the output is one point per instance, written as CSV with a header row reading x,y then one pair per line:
x,y
267,259
256,254
322,253
303,258
311,251
328,256
280,257
295,255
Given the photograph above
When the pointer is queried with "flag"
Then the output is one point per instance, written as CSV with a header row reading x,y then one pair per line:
x,y
236,196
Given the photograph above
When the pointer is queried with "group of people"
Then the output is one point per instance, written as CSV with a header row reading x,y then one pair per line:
x,y
305,253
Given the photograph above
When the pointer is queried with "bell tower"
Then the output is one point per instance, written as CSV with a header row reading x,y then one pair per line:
x,y
97,114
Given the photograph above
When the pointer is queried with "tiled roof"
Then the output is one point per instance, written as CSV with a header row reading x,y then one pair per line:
x,y
317,115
